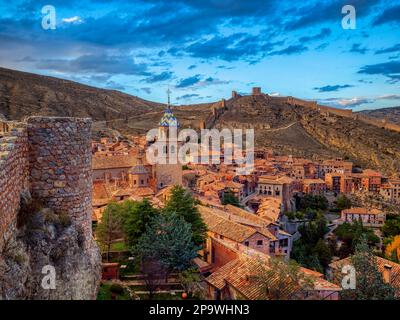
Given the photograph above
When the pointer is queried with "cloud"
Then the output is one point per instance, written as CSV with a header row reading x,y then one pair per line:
x,y
187,82
147,90
96,64
114,86
333,88
356,48
345,102
390,15
293,49
389,69
319,12
188,96
325,32
395,48
166,75
75,19
193,66
198,81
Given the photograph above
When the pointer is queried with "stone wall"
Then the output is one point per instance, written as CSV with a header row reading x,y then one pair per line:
x,y
60,166
344,113
13,174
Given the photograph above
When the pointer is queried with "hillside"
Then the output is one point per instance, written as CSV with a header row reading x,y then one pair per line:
x,y
392,114
288,129
302,131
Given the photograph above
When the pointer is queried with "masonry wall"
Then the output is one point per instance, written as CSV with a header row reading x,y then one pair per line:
x,y
60,166
13,174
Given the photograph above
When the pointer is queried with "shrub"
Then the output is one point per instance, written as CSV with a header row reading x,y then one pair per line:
x,y
117,289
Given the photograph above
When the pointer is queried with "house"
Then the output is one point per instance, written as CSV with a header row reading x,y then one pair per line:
x,y
339,183
390,271
314,187
221,226
369,217
390,191
280,187
112,168
335,166
235,277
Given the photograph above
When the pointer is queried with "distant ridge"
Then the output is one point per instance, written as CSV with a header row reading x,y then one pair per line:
x,y
288,125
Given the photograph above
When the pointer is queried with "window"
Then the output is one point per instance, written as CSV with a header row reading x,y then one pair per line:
x,y
142,181
246,243
259,242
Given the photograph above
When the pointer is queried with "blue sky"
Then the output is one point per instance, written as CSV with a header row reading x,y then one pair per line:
x,y
204,49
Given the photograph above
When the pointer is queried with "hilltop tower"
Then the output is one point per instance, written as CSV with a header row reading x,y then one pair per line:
x,y
169,171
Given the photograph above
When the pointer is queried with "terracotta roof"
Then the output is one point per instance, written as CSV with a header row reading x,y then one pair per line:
x,y
275,179
227,228
358,210
310,181
112,162
381,262
240,273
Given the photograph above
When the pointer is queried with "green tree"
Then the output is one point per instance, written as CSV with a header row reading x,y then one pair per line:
x,y
110,227
312,202
289,282
351,234
230,198
182,204
137,215
369,281
323,252
391,227
343,202
168,242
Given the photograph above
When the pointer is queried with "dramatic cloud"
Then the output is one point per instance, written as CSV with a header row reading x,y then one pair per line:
x,y
101,64
330,88
166,75
188,96
325,32
345,102
357,48
389,15
395,48
389,69
183,83
293,49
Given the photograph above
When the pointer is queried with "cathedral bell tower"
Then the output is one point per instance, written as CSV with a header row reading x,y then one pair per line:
x,y
168,170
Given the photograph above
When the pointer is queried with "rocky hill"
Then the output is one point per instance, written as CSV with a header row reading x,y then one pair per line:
x,y
392,114
287,128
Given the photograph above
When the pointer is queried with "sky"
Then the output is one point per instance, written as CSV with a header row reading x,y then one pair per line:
x,y
204,49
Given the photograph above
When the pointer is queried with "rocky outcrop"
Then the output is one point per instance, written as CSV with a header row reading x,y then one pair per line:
x,y
42,240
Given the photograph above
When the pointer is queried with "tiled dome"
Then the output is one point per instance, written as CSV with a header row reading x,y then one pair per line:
x,y
169,119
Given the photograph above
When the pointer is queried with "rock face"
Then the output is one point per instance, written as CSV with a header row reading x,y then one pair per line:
x,y
47,240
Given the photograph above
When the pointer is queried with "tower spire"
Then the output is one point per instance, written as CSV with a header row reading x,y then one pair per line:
x,y
169,98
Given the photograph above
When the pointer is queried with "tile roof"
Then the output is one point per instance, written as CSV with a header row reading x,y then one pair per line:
x,y
381,262
222,226
357,210
113,162
240,273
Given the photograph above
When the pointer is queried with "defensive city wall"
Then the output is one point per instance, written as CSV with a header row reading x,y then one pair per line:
x,y
51,159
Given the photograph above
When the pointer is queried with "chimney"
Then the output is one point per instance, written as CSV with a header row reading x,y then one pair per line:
x,y
387,270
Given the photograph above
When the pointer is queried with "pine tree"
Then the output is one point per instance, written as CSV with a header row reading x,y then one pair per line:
x,y
137,215
167,242
183,205
110,227
369,281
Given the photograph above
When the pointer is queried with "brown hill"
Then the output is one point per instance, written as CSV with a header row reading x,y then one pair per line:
x,y
391,114
288,129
